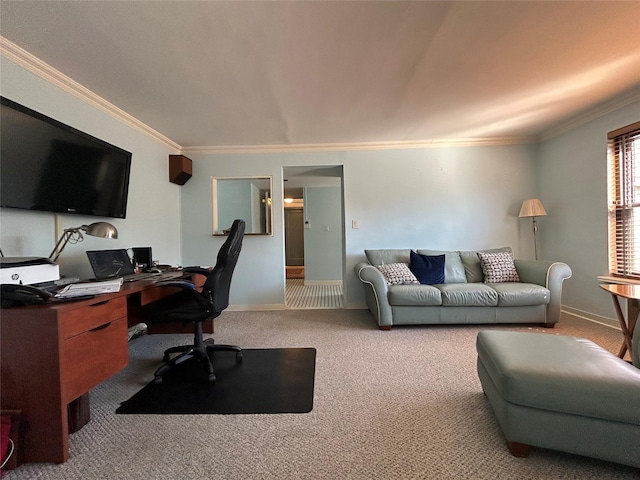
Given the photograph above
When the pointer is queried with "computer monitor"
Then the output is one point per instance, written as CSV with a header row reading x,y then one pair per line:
x,y
142,257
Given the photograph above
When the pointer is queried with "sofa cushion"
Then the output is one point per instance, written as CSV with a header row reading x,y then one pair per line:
x,y
468,294
387,255
471,263
397,274
453,268
560,374
521,294
426,295
428,269
498,267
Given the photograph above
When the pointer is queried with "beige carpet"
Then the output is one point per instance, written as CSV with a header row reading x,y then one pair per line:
x,y
404,404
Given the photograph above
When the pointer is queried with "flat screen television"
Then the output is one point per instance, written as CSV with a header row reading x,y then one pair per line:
x,y
49,166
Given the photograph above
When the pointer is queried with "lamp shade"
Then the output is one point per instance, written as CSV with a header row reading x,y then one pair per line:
x,y
532,207
100,229
97,229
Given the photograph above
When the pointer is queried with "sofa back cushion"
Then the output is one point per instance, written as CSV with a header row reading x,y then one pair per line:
x,y
471,262
387,255
459,266
453,268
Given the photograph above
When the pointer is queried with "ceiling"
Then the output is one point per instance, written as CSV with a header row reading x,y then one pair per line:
x,y
296,178
243,73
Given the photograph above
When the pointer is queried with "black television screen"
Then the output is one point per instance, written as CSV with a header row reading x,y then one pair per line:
x,y
47,165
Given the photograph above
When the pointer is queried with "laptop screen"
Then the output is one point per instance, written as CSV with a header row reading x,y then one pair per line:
x,y
110,263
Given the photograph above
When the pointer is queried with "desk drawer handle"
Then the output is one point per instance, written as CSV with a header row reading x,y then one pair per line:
x,y
101,327
99,303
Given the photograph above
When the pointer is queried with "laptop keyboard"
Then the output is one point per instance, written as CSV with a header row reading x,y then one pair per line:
x,y
134,277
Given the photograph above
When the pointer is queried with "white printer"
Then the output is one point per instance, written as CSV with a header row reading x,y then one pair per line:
x,y
28,270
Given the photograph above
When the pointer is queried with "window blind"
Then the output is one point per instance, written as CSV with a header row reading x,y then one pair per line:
x,y
624,201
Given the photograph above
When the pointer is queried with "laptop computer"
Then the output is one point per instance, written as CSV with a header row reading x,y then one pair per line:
x,y
114,263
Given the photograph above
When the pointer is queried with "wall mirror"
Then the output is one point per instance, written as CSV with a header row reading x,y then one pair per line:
x,y
248,198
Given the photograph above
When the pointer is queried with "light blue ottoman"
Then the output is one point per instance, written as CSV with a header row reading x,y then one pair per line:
x,y
562,393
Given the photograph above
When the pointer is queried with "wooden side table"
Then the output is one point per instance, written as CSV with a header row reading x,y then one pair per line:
x,y
632,294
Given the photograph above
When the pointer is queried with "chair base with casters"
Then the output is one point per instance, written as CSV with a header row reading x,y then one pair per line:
x,y
200,350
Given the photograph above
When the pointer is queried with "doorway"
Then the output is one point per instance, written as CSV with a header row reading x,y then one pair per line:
x,y
314,237
294,242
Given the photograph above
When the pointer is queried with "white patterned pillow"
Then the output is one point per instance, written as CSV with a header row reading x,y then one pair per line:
x,y
498,267
397,274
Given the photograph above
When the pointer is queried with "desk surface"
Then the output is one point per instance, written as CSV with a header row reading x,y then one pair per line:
x,y
627,325
623,290
146,290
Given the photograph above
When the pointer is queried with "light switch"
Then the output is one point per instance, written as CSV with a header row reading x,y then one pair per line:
x,y
355,223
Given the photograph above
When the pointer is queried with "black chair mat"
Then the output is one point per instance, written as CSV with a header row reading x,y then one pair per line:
x,y
266,381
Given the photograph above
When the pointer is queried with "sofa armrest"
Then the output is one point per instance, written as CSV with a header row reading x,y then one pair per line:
x,y
549,275
376,290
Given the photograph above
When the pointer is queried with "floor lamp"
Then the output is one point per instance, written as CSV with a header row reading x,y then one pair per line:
x,y
533,208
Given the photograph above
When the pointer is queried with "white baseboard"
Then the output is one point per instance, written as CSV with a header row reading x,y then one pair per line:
x,y
591,317
257,307
311,283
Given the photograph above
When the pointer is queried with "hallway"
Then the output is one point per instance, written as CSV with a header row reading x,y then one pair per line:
x,y
299,296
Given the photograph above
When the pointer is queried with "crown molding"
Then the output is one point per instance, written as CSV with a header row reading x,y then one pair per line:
x,y
605,108
29,62
332,147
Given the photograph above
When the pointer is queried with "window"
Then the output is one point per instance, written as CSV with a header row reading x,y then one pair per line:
x,y
624,201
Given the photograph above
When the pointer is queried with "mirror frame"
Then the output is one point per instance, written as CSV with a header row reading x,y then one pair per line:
x,y
267,202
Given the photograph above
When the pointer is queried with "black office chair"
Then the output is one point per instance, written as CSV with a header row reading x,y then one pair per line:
x,y
198,307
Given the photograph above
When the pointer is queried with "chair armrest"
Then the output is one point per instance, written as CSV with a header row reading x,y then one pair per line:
x,y
189,289
370,274
544,273
549,275
376,289
184,284
199,270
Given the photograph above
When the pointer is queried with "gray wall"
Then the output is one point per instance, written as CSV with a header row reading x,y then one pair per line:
x,y
323,239
441,198
572,172
444,198
153,211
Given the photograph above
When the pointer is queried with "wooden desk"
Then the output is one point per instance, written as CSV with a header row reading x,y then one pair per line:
x,y
632,294
53,354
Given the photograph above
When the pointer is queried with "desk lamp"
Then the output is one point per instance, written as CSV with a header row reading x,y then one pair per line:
x,y
533,208
74,235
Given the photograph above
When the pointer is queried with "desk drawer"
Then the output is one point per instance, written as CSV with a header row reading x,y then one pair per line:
x,y
79,320
93,356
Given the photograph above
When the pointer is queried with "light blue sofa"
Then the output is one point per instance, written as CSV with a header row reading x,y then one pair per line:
x,y
464,298
562,393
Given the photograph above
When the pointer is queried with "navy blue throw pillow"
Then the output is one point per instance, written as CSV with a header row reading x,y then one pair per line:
x,y
428,269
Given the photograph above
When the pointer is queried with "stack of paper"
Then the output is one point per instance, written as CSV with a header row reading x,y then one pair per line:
x,y
90,288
